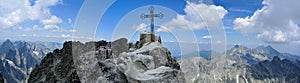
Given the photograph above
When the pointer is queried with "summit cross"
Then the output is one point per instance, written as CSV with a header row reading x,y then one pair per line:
x,y
152,16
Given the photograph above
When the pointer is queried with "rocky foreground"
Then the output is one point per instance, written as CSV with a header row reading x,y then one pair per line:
x,y
105,62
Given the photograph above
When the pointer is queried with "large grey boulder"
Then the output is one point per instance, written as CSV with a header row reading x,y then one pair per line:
x,y
119,46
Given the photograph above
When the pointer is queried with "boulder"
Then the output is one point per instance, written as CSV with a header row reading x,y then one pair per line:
x,y
151,63
119,46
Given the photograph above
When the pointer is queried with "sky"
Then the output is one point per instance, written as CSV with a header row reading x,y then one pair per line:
x,y
199,24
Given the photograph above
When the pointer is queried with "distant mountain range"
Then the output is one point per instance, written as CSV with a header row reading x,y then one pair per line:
x,y
19,58
241,64
254,55
245,54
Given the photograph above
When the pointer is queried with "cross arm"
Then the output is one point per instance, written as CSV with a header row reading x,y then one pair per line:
x,y
159,15
145,16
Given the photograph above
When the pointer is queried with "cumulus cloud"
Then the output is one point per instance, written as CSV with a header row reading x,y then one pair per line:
x,y
276,21
56,28
198,16
141,27
69,20
51,27
53,20
207,37
14,12
33,28
65,36
163,29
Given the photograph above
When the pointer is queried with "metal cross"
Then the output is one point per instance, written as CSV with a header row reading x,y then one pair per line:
x,y
152,15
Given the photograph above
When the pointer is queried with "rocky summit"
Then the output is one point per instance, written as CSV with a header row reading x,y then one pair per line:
x,y
102,62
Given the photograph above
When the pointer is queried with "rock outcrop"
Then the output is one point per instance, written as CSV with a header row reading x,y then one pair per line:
x,y
57,66
119,46
151,63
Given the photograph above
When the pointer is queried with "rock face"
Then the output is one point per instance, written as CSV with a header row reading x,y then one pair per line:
x,y
119,46
195,69
98,62
151,63
57,66
1,78
18,58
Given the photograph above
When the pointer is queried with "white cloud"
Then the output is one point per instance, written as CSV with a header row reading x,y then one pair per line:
x,y
207,37
69,20
56,28
141,27
51,27
65,36
198,16
14,12
277,21
52,21
163,29
36,27
72,30
218,42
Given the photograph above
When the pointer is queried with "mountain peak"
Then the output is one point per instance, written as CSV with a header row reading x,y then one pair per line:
x,y
7,41
238,46
7,44
269,47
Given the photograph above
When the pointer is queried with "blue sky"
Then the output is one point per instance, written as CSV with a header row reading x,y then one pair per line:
x,y
244,22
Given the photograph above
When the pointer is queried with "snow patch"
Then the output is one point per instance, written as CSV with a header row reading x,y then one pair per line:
x,y
10,62
36,53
